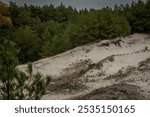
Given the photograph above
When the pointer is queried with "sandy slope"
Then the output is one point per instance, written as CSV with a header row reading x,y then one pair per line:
x,y
82,70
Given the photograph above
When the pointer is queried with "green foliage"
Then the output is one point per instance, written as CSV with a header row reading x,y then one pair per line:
x,y
27,42
55,46
49,30
24,17
15,84
97,25
112,24
138,16
51,40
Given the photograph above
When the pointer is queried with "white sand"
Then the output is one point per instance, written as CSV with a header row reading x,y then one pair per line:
x,y
130,54
55,65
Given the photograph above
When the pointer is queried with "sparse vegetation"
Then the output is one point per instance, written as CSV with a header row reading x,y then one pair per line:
x,y
114,92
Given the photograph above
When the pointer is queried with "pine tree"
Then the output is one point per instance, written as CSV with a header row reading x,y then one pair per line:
x,y
15,84
27,41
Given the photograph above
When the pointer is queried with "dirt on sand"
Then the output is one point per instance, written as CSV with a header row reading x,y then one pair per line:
x,y
114,92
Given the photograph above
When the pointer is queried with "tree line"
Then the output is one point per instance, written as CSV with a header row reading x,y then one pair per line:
x,y
44,31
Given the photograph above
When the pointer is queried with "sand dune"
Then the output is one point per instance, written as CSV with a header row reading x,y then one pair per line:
x,y
82,70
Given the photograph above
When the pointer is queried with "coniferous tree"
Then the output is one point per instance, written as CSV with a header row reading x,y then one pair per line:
x,y
15,84
27,42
